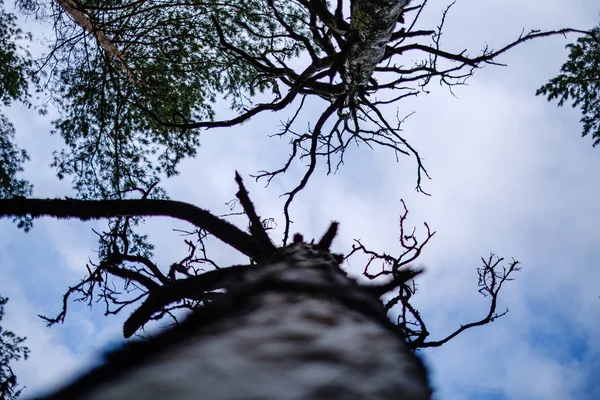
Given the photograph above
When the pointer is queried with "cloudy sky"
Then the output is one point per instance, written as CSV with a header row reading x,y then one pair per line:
x,y
511,175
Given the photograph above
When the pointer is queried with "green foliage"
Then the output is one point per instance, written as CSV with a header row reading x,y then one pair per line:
x,y
11,349
11,161
579,81
15,70
14,67
170,62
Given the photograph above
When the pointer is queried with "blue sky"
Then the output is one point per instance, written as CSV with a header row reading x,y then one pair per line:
x,y
511,175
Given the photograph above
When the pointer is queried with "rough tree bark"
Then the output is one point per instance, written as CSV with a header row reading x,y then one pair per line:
x,y
372,25
77,12
292,327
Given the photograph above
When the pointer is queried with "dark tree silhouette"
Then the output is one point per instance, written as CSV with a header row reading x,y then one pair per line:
x,y
15,70
579,82
186,284
11,349
293,326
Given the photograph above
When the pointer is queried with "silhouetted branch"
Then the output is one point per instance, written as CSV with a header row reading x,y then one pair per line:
x,y
327,239
99,276
95,209
312,165
392,266
199,287
9,386
490,281
256,227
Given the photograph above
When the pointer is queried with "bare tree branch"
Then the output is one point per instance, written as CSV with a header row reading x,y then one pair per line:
x,y
197,287
256,228
490,282
95,209
409,320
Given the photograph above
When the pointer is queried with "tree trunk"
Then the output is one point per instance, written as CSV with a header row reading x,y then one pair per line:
x,y
372,24
293,327
80,17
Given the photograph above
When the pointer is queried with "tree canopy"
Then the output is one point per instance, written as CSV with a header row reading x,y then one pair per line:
x,y
136,80
15,72
11,349
579,82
